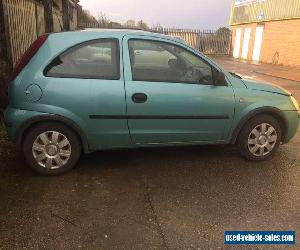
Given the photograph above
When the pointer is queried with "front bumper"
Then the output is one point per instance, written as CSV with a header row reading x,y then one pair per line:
x,y
293,119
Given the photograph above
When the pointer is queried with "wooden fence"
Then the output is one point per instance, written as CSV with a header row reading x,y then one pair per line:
x,y
25,20
207,41
21,24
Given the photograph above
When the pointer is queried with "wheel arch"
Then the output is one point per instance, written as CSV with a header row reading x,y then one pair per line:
x,y
52,118
274,112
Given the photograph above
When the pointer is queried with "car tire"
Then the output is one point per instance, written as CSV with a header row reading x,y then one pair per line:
x,y
260,138
51,148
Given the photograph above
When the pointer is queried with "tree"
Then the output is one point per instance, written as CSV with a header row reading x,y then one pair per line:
x,y
129,23
84,16
115,25
157,26
222,30
142,25
103,20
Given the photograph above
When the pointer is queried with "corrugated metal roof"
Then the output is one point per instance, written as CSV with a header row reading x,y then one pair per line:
x,y
247,11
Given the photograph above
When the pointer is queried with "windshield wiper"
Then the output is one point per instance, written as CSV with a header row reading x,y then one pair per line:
x,y
235,75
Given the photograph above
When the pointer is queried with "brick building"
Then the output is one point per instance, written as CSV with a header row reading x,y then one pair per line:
x,y
266,30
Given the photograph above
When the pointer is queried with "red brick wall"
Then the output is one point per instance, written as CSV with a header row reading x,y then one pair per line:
x,y
281,41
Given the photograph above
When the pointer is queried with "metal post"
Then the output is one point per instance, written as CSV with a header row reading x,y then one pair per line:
x,y
48,5
66,14
7,33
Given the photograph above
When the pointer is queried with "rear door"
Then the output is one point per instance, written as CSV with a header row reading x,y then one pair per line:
x,y
85,84
170,95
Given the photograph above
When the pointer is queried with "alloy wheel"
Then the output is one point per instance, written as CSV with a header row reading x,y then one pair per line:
x,y
51,150
262,139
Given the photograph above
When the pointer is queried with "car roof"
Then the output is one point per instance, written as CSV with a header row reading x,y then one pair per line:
x,y
117,33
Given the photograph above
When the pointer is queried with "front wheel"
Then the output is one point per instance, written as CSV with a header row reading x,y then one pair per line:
x,y
259,138
51,148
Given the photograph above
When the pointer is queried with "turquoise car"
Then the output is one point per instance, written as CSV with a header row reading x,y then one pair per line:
x,y
78,92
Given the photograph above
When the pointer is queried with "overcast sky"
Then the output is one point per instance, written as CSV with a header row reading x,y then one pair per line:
x,y
202,14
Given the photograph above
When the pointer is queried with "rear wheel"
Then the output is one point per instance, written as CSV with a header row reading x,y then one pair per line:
x,y
260,138
51,148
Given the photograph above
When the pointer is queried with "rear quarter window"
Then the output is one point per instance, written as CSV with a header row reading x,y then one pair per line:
x,y
98,59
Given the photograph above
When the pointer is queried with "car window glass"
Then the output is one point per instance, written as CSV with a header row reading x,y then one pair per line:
x,y
97,59
164,62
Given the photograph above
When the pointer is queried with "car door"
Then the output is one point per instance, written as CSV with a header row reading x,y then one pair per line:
x,y
85,83
170,94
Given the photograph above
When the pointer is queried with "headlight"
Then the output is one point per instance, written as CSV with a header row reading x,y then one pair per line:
x,y
295,103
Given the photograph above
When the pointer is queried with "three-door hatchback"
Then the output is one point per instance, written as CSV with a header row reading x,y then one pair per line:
x,y
83,91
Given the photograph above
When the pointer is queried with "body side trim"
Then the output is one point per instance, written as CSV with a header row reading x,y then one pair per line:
x,y
163,117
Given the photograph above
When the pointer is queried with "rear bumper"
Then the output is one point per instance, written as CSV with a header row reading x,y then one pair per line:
x,y
18,121
8,123
14,119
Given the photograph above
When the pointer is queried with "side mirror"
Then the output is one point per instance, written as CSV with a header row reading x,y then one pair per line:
x,y
219,78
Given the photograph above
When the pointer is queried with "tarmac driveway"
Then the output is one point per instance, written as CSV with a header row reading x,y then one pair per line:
x,y
166,198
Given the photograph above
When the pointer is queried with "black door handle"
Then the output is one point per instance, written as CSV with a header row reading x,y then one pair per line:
x,y
139,97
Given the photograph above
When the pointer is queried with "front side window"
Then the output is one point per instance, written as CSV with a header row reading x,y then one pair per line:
x,y
95,60
164,62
